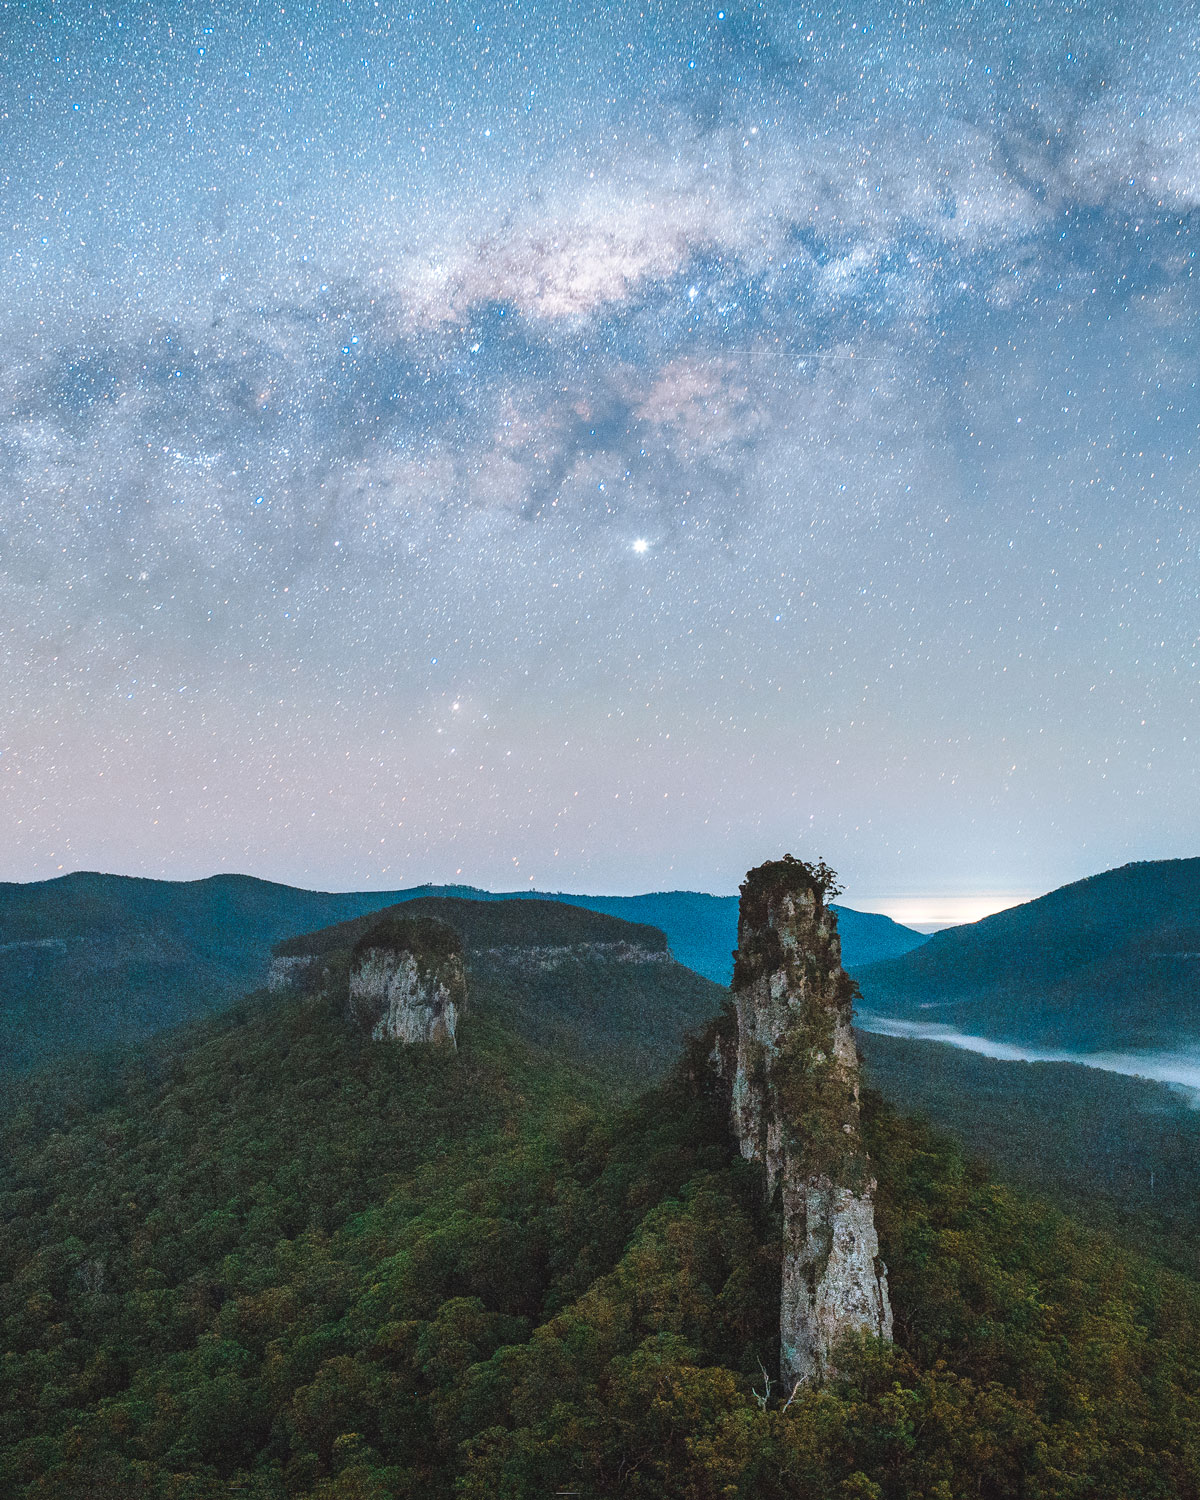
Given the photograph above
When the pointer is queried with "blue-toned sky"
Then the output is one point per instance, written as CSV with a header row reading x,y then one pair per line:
x,y
599,447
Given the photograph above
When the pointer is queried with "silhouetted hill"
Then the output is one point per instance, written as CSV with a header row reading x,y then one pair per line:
x,y
89,959
492,924
1112,962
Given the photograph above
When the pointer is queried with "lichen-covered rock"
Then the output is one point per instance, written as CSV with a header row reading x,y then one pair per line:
x,y
408,982
795,1109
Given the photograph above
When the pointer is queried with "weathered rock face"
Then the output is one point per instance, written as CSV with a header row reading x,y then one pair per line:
x,y
408,983
795,1109
546,958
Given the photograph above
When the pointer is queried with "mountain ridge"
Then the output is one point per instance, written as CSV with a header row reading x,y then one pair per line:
x,y
88,958
267,1255
1109,961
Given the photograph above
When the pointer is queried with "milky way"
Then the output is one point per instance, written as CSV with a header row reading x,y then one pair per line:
x,y
599,447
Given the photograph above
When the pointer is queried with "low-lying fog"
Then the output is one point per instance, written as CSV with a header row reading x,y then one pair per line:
x,y
1181,1069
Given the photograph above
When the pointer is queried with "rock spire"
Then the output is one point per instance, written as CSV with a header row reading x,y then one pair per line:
x,y
795,1109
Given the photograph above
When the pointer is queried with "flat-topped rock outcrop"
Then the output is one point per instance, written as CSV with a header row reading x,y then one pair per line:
x,y
564,978
407,981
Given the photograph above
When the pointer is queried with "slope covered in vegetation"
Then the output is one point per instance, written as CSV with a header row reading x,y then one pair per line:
x,y
1108,963
1116,1152
92,959
271,1258
591,989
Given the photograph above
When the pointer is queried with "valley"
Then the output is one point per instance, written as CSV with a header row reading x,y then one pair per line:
x,y
275,1253
1104,965
1179,1069
321,1243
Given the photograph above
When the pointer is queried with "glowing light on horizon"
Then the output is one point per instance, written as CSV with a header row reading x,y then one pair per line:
x,y
930,913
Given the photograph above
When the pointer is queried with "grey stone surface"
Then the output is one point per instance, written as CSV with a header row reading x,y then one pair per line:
x,y
794,1102
399,996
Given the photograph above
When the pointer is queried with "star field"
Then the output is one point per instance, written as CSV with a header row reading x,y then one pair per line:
x,y
599,448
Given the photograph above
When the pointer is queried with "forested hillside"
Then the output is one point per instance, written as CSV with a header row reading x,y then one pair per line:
x,y
1108,963
1117,1152
590,989
90,959
93,959
268,1257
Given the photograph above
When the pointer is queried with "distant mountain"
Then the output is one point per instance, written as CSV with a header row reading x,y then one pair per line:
x,y
496,930
88,959
1112,962
267,1256
702,929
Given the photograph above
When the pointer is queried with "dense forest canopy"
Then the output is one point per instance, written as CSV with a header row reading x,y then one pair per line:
x,y
267,1257
489,924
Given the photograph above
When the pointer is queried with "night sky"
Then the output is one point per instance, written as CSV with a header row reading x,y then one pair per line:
x,y
599,447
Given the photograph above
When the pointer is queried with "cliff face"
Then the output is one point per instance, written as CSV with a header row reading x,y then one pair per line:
x,y
408,983
546,958
795,1109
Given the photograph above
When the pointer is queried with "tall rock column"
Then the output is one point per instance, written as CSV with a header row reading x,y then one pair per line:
x,y
795,1109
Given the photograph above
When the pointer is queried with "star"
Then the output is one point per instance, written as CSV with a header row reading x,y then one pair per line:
x,y
317,397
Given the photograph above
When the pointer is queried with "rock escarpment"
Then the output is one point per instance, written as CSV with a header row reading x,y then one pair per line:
x,y
546,958
795,1109
408,982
